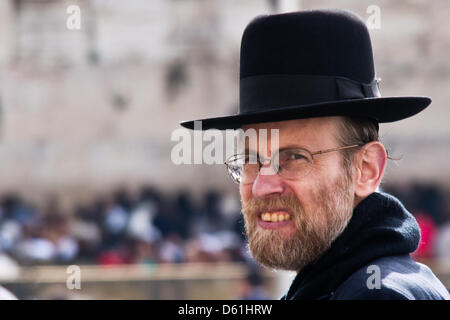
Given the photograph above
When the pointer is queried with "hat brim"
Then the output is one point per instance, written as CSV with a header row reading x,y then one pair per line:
x,y
384,109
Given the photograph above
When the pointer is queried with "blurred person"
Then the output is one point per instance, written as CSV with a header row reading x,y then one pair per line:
x,y
57,230
185,212
115,222
442,245
112,257
208,216
211,214
171,249
428,198
15,217
140,223
169,218
52,243
204,247
252,286
141,252
428,234
223,246
11,231
85,228
124,199
36,250
13,207
230,210
195,254
311,205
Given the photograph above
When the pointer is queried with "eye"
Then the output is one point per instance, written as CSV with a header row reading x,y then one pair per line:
x,y
295,156
290,158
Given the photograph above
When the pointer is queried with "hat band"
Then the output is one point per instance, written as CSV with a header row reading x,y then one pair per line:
x,y
266,92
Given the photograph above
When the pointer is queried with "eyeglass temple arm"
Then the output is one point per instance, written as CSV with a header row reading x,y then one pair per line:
x,y
335,149
322,151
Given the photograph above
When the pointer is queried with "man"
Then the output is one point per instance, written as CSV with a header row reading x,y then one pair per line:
x,y
316,209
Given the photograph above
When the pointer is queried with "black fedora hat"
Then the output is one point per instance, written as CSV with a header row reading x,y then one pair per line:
x,y
309,64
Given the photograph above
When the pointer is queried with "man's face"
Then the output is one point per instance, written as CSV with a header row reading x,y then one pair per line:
x,y
318,206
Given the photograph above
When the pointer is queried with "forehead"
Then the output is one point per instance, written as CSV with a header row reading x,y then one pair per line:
x,y
311,132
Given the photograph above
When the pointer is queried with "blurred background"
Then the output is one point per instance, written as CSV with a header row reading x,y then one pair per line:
x,y
86,116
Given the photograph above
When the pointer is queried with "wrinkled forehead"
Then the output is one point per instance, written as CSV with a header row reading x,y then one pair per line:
x,y
309,133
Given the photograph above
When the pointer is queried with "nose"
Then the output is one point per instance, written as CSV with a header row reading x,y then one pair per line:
x,y
267,184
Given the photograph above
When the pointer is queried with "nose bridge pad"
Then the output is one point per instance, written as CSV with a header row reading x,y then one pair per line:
x,y
273,165
267,168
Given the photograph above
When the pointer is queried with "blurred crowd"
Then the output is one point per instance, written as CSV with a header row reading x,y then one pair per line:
x,y
152,227
430,206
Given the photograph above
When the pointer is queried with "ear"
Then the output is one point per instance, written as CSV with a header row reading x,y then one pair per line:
x,y
371,163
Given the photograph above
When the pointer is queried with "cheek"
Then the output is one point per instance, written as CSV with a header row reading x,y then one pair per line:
x,y
310,191
303,190
324,174
246,192
329,168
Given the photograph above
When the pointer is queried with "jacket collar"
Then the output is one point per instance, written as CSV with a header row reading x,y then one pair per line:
x,y
380,226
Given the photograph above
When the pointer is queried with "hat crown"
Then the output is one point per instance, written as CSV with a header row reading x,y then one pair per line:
x,y
316,42
306,64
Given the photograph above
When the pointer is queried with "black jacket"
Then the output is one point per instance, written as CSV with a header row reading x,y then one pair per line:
x,y
370,259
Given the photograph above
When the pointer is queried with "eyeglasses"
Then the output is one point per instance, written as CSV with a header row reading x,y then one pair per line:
x,y
291,164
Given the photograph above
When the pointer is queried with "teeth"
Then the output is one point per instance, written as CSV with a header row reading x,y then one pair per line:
x,y
275,217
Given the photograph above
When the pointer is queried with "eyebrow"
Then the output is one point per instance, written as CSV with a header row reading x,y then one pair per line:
x,y
293,146
289,146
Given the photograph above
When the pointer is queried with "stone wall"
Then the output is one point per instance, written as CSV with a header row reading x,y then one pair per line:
x,y
83,111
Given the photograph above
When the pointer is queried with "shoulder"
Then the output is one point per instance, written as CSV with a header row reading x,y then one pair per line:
x,y
396,277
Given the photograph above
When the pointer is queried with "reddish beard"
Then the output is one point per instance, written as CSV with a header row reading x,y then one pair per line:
x,y
316,226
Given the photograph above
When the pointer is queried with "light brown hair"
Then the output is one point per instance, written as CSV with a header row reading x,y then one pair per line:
x,y
355,131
